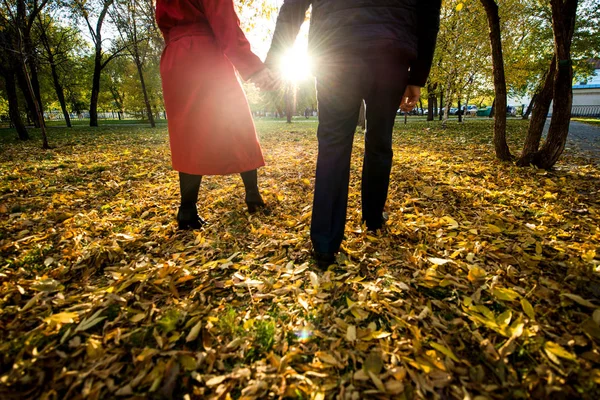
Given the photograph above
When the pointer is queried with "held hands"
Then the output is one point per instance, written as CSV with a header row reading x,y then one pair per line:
x,y
266,80
410,98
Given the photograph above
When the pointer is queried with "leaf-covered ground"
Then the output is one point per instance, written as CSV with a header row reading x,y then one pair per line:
x,y
484,285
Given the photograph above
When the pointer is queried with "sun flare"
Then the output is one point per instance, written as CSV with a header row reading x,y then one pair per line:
x,y
296,66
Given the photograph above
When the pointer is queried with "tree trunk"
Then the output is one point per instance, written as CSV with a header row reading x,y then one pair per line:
x,y
563,23
29,102
421,105
467,103
13,105
289,102
38,111
60,93
502,150
527,112
32,66
460,117
440,113
362,115
448,97
493,110
543,98
145,92
431,106
95,88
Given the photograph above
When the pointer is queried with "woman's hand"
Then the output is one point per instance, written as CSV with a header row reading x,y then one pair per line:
x,y
266,80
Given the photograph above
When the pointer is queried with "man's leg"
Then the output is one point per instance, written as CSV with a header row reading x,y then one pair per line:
x,y
339,100
383,99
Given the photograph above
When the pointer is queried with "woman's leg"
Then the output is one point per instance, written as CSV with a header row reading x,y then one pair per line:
x,y
187,216
254,200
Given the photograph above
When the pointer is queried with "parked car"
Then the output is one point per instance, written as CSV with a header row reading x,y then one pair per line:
x,y
472,110
484,112
453,110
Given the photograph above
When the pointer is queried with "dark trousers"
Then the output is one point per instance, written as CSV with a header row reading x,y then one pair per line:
x,y
342,85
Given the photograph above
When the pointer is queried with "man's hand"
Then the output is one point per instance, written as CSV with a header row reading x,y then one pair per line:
x,y
266,80
410,98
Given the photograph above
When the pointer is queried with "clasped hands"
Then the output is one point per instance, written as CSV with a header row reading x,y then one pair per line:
x,y
266,80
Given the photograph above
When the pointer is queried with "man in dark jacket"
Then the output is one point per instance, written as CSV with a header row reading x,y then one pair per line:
x,y
377,50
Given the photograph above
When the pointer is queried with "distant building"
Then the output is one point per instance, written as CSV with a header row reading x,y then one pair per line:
x,y
586,94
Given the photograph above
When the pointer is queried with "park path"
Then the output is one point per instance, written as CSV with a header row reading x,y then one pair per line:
x,y
584,138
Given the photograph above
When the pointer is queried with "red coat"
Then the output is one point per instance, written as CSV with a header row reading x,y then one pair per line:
x,y
211,130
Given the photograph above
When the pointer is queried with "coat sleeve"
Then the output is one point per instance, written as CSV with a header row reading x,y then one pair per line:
x,y
428,26
225,24
290,19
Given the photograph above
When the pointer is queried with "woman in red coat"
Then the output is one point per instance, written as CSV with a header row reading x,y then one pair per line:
x,y
211,130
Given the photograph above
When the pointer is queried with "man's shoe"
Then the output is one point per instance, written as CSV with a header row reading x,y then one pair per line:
x,y
324,260
374,227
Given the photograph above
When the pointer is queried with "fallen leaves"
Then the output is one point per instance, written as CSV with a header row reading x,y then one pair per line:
x,y
483,285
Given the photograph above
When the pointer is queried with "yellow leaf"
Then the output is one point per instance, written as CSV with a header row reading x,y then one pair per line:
x,y
314,279
452,224
558,350
319,396
303,303
359,313
538,248
327,358
596,376
248,324
476,273
503,320
188,362
505,294
460,6
589,256
494,228
377,335
528,309
61,318
444,350
93,348
351,333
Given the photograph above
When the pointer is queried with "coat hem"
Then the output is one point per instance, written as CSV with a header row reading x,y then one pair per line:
x,y
208,171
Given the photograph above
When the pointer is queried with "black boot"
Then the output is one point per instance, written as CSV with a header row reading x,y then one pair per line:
x,y
187,216
254,200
